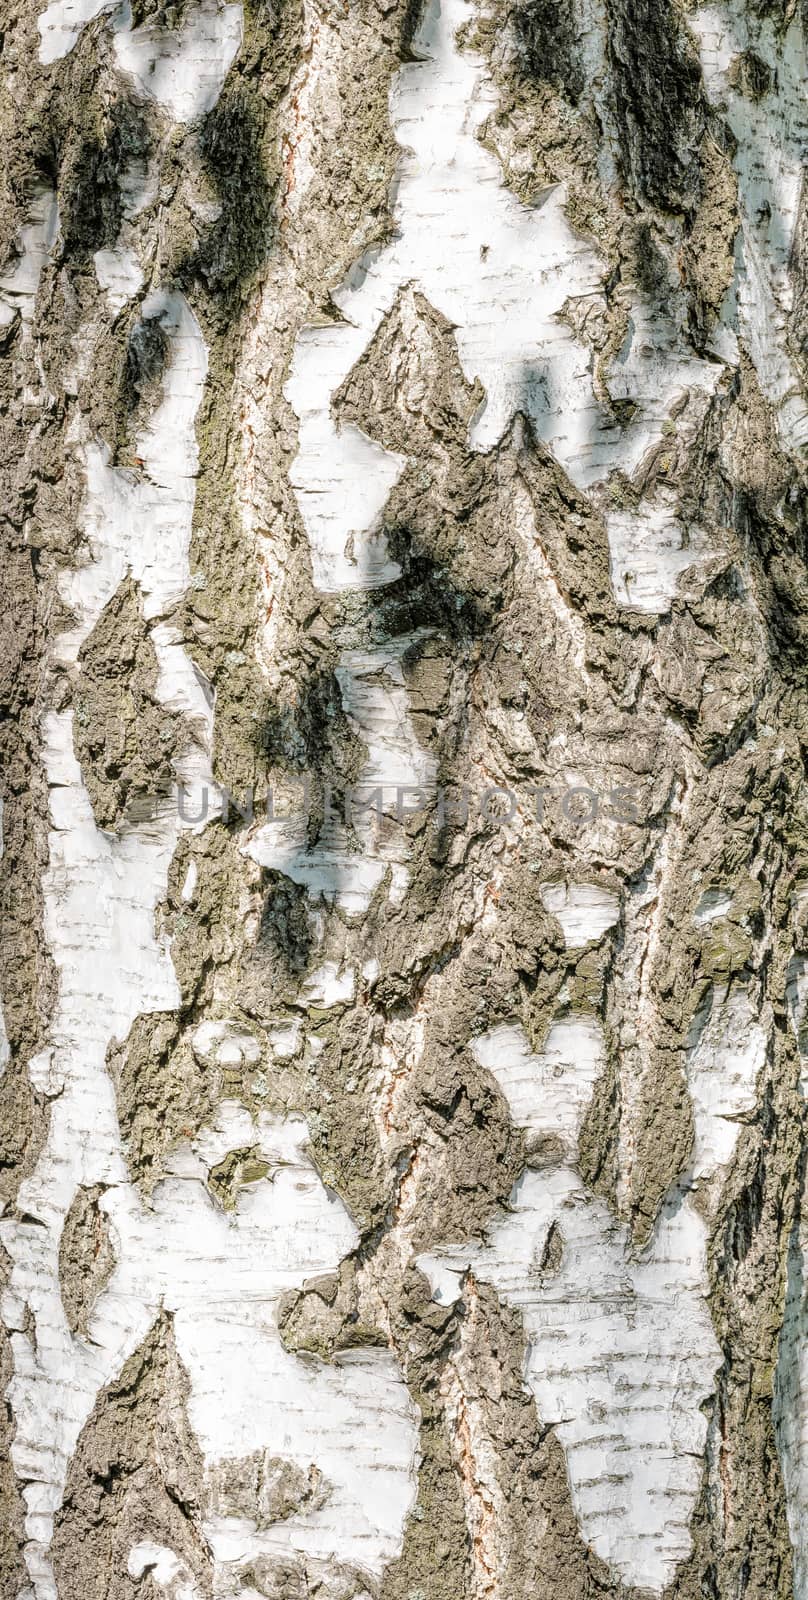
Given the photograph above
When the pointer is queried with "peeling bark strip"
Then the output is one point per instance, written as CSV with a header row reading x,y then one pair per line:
x,y
407,402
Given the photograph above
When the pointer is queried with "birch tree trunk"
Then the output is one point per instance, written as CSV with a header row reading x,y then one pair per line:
x,y
405,847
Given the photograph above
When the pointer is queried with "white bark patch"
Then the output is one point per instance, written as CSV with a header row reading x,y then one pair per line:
x,y
138,188
190,881
621,1349
584,910
498,271
330,985
342,478
374,696
648,551
119,274
182,69
546,1093
284,1038
19,280
501,273
224,1043
714,904
772,134
60,26
222,1275
328,871
165,1569
141,523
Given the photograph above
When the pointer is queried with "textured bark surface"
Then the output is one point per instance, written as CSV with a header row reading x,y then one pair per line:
x,y
404,905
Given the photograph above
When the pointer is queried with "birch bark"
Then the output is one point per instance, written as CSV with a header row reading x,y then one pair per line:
x,y
404,911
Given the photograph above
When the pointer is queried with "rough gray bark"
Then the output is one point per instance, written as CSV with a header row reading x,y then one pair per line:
x,y
405,1200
